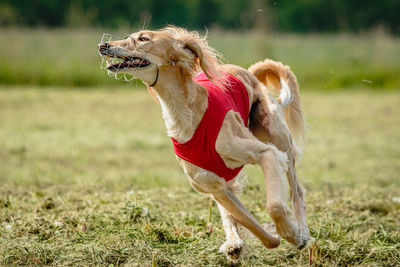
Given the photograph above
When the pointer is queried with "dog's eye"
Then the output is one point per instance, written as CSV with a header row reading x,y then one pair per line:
x,y
143,39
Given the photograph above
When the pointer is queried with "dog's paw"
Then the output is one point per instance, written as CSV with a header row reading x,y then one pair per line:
x,y
304,238
298,239
302,244
232,250
271,229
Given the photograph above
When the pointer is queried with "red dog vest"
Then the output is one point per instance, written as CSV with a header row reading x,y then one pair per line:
x,y
200,149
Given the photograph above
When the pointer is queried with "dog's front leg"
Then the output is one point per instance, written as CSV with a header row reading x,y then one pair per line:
x,y
236,209
233,246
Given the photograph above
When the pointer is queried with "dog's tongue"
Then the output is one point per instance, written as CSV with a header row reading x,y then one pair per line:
x,y
139,62
117,66
133,63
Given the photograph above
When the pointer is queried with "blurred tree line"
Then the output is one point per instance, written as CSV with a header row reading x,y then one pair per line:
x,y
280,15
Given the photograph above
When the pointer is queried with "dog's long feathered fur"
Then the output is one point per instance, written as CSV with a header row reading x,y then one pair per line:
x,y
208,59
272,73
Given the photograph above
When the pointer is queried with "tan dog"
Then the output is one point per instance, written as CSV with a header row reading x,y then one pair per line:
x,y
167,60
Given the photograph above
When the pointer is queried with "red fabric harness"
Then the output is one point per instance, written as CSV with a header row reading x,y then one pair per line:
x,y
200,149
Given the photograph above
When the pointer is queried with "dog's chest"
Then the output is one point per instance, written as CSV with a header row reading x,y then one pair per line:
x,y
200,149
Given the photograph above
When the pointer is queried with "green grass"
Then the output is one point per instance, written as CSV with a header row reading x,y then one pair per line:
x,y
88,177
67,57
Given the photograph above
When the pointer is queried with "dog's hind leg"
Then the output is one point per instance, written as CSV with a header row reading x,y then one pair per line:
x,y
268,116
291,229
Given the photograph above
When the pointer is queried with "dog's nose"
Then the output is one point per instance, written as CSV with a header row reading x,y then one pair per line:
x,y
103,46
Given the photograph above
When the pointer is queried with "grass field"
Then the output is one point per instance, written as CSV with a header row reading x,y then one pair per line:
x,y
67,57
88,177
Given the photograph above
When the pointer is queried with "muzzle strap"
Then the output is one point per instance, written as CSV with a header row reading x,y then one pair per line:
x,y
158,72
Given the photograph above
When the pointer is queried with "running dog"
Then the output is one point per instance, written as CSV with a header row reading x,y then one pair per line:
x,y
221,117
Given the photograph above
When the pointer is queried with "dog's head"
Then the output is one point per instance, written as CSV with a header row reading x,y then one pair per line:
x,y
172,49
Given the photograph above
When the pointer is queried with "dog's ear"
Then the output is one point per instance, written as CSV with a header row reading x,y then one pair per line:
x,y
190,45
201,59
193,47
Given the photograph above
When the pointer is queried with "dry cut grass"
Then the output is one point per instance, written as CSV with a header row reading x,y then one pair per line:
x,y
89,178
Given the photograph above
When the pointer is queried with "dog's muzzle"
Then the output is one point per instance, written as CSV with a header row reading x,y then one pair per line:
x,y
114,63
103,48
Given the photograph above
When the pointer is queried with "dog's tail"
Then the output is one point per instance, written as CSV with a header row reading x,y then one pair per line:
x,y
281,81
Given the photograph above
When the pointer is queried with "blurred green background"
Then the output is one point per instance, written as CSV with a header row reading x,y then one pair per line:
x,y
330,45
87,173
282,15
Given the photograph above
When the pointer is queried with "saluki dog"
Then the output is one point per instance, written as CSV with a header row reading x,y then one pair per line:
x,y
221,117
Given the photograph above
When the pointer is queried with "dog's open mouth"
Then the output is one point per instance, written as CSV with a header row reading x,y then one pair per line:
x,y
127,62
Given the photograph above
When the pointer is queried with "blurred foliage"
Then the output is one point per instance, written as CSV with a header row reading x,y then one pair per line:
x,y
281,15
